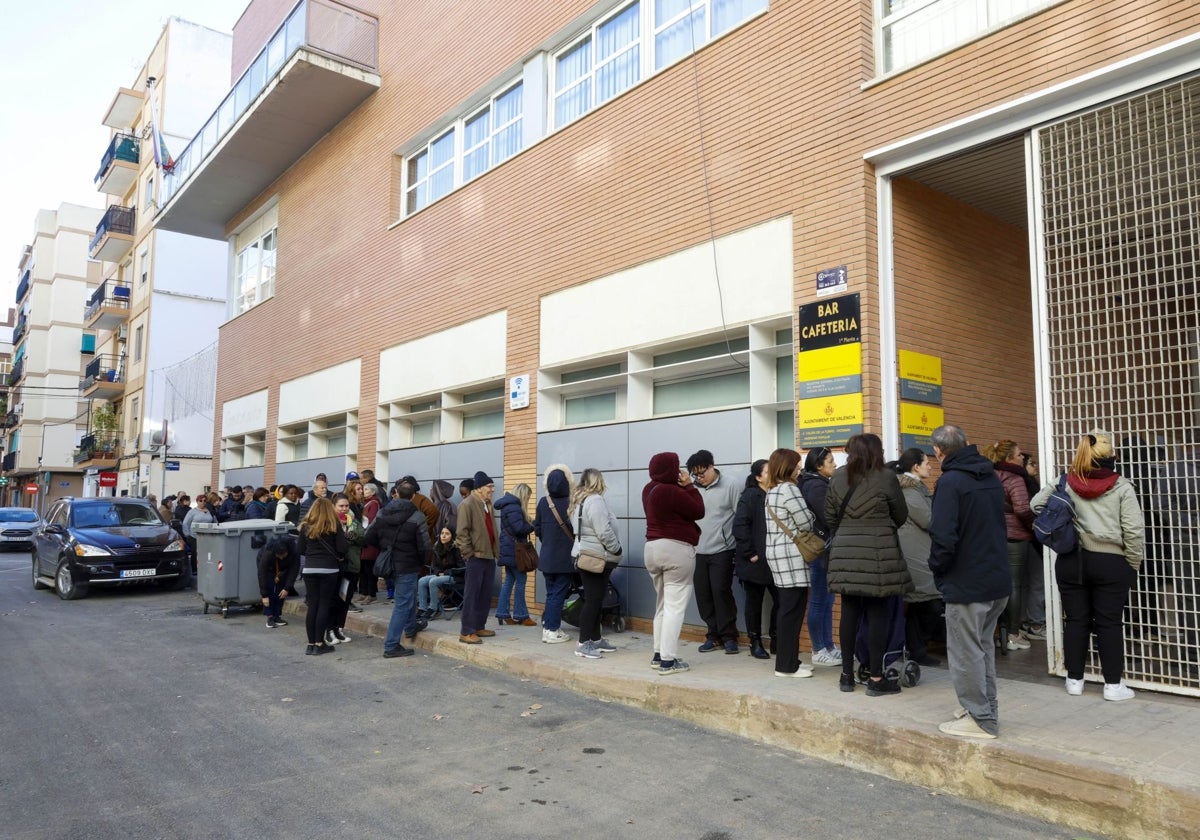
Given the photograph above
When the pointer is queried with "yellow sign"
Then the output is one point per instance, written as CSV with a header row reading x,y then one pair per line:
x,y
829,421
920,367
917,419
830,362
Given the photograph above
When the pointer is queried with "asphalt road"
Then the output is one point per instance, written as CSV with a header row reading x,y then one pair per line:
x,y
130,714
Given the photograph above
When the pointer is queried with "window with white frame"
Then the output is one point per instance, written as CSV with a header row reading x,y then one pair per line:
x,y
138,334
144,267
468,413
910,31
319,437
254,278
245,450
628,43
148,198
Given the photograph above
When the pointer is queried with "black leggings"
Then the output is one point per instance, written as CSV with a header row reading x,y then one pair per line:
x,y
594,588
341,606
320,595
854,608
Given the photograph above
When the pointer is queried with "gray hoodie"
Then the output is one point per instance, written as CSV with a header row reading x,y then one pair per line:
x,y
720,503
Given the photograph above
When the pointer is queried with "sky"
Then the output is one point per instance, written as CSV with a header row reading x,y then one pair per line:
x,y
62,66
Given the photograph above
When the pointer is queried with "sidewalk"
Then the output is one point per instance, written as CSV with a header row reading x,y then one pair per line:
x,y
1119,770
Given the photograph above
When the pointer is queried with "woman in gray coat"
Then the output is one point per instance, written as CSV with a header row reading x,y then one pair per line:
x,y
921,604
864,507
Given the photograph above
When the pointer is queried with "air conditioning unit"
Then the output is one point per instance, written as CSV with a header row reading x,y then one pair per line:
x,y
122,332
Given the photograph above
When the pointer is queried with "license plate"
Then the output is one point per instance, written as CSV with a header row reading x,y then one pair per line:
x,y
135,573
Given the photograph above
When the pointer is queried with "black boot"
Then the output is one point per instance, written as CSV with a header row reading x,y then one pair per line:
x,y
756,647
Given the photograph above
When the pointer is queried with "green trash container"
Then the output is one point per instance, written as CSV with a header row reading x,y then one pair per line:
x,y
227,561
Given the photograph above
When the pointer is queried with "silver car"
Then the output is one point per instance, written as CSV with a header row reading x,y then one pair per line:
x,y
17,527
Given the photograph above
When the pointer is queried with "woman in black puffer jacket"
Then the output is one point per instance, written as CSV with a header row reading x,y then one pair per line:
x,y
750,557
323,544
865,562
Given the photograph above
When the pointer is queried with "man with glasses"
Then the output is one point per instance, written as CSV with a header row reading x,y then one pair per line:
x,y
714,555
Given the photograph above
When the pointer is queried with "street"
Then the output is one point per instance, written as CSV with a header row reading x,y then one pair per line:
x,y
130,714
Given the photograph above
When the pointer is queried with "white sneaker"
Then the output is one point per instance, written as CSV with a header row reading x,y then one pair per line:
x,y
331,639
1018,642
835,655
824,657
554,637
803,672
340,634
1074,687
1118,692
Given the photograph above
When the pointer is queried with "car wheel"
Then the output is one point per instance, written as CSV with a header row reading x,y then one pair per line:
x,y
64,583
38,583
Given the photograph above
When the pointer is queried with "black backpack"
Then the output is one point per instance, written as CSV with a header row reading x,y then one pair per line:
x,y
1055,527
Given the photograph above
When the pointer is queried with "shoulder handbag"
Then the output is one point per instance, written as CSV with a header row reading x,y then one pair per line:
x,y
585,560
383,563
807,543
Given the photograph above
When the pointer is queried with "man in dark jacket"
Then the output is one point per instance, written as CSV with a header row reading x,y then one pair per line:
x,y
968,556
278,565
232,509
400,528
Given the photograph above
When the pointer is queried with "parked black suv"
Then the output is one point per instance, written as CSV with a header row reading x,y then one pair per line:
x,y
107,541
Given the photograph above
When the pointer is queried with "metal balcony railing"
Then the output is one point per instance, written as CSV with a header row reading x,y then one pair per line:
x,y
93,446
124,147
10,461
11,419
23,286
322,26
19,331
108,293
116,219
18,370
105,368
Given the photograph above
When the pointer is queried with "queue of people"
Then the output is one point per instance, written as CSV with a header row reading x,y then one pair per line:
x,y
799,528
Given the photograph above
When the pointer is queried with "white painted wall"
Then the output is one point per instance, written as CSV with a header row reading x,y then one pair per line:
x,y
676,296
318,394
245,414
468,353
195,81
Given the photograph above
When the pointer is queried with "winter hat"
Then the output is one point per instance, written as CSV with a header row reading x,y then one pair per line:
x,y
482,480
352,476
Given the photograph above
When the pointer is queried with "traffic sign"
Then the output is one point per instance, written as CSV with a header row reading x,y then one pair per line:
x,y
31,489
171,466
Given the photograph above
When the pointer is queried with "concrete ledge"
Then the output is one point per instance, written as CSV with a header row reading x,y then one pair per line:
x,y
1128,770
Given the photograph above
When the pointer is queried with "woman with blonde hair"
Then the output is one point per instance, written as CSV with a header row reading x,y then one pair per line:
x,y
323,544
1094,579
596,527
514,527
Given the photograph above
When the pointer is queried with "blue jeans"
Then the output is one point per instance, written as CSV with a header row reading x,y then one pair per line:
x,y
557,587
429,588
404,611
512,588
820,606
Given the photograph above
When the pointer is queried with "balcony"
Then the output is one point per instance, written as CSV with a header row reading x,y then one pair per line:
x,y
17,373
103,378
95,451
19,330
124,110
119,166
108,307
23,286
114,234
315,70
10,461
11,420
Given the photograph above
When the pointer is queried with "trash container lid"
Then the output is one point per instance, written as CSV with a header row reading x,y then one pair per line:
x,y
241,526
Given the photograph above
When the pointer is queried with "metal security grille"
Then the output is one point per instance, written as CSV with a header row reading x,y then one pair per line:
x,y
1120,199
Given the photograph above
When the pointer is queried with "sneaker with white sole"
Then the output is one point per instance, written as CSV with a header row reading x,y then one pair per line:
x,y
331,639
800,673
824,657
677,666
1118,692
554,637
1033,631
656,662
605,646
1074,687
835,655
965,727
1018,642
340,635
587,650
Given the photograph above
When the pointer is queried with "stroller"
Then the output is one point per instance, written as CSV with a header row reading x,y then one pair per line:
x,y
610,610
896,664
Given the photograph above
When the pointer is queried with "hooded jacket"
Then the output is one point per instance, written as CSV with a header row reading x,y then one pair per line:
x,y
914,539
750,534
554,555
969,550
671,509
1018,516
274,574
865,558
513,526
1108,517
442,495
401,527
720,503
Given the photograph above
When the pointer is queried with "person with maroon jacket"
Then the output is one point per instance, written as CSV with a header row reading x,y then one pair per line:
x,y
673,506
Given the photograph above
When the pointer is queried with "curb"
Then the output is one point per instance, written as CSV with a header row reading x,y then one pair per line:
x,y
1114,800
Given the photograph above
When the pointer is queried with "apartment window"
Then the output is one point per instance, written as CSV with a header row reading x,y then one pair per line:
x,y
591,408
493,134
135,405
431,172
247,450
144,264
602,64
137,343
148,199
911,31
320,437
255,272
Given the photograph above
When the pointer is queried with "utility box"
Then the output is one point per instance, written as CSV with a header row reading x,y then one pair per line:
x,y
227,561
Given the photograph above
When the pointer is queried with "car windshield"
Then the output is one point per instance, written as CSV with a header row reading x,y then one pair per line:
x,y
113,515
19,515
